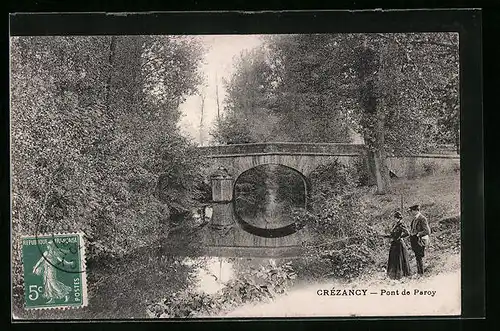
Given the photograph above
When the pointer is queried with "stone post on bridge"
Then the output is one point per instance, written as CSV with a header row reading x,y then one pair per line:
x,y
222,196
222,186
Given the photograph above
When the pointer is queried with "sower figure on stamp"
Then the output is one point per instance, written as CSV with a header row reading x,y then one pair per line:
x,y
419,236
53,288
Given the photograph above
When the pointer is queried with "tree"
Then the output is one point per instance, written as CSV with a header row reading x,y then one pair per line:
x,y
399,91
371,75
396,76
388,87
58,122
247,117
306,92
95,139
284,91
217,97
150,78
202,106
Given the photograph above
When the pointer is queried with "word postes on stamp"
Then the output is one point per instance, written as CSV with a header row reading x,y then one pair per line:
x,y
54,271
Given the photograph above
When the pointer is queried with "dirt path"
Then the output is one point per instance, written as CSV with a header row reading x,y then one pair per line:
x,y
305,301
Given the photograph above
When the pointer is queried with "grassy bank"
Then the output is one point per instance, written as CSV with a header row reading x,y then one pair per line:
x,y
439,197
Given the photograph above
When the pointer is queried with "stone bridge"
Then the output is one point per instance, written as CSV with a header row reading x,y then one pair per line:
x,y
302,157
228,235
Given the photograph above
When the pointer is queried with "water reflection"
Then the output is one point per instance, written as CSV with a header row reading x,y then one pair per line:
x,y
212,273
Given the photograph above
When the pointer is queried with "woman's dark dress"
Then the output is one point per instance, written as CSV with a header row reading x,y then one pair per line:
x,y
398,265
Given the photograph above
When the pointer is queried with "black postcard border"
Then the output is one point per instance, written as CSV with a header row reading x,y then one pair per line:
x,y
466,22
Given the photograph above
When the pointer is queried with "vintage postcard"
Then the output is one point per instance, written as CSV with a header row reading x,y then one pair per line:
x,y
159,176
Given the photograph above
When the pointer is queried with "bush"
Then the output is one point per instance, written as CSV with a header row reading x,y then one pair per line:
x,y
446,233
349,262
183,304
342,242
364,178
254,284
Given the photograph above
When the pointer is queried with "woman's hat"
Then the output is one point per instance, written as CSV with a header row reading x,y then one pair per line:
x,y
398,214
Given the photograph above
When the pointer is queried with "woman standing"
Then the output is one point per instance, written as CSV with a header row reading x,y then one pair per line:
x,y
53,288
398,265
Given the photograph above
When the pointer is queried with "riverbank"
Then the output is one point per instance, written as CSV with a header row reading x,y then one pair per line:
x,y
440,197
433,294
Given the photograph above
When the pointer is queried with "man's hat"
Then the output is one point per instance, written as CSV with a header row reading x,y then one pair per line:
x,y
398,214
414,207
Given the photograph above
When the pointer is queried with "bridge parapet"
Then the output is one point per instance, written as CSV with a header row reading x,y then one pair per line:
x,y
284,148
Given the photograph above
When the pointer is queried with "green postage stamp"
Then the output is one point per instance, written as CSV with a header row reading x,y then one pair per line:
x,y
54,271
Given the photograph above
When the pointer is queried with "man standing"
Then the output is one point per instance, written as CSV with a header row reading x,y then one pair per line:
x,y
419,236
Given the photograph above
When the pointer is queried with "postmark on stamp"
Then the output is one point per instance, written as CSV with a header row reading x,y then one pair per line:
x,y
54,271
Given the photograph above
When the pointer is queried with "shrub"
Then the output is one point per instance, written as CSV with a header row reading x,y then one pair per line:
x,y
342,242
364,177
253,284
446,233
348,262
183,304
115,174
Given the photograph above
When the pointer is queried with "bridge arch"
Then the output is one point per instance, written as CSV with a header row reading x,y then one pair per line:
x,y
302,165
273,232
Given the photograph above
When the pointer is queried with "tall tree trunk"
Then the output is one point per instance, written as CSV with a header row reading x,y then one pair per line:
x,y
371,74
379,154
217,98
201,118
370,166
381,168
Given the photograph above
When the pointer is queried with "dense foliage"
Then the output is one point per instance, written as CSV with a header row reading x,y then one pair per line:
x,y
96,148
277,96
246,104
399,92
342,243
251,284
